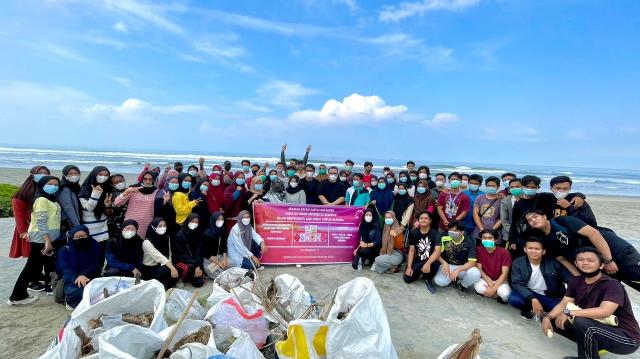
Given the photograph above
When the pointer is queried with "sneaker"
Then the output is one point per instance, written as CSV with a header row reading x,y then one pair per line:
x,y
499,300
68,307
25,301
180,284
526,314
462,291
373,267
260,267
430,287
36,287
48,291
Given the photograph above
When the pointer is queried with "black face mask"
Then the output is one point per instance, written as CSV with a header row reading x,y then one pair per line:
x,y
590,275
254,172
81,242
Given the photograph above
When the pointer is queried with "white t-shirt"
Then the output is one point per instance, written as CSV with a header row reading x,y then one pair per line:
x,y
536,282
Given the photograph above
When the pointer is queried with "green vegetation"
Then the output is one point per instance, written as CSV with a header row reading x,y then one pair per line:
x,y
6,192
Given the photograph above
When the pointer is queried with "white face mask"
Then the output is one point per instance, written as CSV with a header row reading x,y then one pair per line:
x,y
193,225
161,230
219,223
120,186
128,234
309,174
343,178
73,179
422,175
102,179
217,172
440,183
560,194
293,184
215,183
333,178
246,221
368,219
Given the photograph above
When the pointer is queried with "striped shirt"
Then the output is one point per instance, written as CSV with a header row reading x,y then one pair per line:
x,y
98,228
140,209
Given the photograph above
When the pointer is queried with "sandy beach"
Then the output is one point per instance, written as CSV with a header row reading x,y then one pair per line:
x,y
422,325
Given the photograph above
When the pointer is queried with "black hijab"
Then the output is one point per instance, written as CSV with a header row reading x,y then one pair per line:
x,y
291,190
87,188
40,189
160,242
366,229
407,184
129,250
401,202
146,190
181,178
74,187
213,231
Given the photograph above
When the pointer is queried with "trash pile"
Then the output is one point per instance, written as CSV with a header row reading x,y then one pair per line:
x,y
245,317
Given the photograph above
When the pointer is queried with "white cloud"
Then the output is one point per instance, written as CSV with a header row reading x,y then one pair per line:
x,y
351,4
395,13
441,119
354,108
285,94
22,93
136,110
62,51
123,81
252,107
402,46
192,58
106,41
120,27
150,13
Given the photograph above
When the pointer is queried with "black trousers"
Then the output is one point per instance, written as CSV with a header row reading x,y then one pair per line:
x,y
115,272
628,267
32,271
369,253
592,336
417,271
187,273
159,273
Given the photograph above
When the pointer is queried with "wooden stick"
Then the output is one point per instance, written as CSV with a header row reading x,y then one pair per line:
x,y
173,332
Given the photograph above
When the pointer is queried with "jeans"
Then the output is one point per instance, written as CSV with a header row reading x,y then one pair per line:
x,y
32,271
417,271
592,336
247,263
467,278
386,261
518,301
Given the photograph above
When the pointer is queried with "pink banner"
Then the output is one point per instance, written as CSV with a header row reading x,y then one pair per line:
x,y
307,234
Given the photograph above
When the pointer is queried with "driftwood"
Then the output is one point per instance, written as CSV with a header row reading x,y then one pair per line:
x,y
200,336
173,332
469,349
85,341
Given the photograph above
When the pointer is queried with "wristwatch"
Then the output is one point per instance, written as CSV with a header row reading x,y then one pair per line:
x,y
566,312
608,260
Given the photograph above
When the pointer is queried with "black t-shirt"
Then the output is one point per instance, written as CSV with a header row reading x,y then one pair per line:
x,y
311,190
331,190
584,213
605,289
545,202
458,253
425,243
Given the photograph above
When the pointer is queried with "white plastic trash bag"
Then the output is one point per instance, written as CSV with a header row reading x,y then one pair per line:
x,y
292,294
94,291
197,351
306,338
363,332
188,327
231,278
129,342
177,301
244,348
250,319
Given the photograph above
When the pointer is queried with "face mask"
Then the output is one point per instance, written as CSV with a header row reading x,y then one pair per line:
x,y
81,242
422,190
487,243
186,185
161,230
193,173
391,180
246,168
73,179
374,183
388,221
309,174
259,186
263,178
403,179
343,178
290,173
439,183
492,190
422,176
402,192
356,183
333,178
322,171
50,188
293,184
516,192
273,177
560,194
505,184
464,183
455,183
368,219
192,226
385,172
217,172
38,176
382,185
215,182
102,179
246,221
348,168
147,185
529,191
413,178
227,180
219,223
254,172
239,181
473,187
204,188
173,186
455,235
120,186
128,234
589,275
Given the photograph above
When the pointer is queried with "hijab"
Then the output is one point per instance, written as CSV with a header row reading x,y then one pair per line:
x,y
387,238
276,191
367,228
401,203
213,231
291,190
246,231
85,255
181,178
128,250
40,189
146,190
166,189
160,242
407,184
28,188
424,200
74,187
196,192
185,225
87,188
215,194
383,197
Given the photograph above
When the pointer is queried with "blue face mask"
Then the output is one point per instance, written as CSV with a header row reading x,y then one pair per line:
x,y
239,181
38,176
382,185
246,168
391,179
356,183
473,187
487,243
403,179
529,191
50,188
273,177
455,183
388,221
173,186
204,187
186,185
492,190
422,190
402,192
259,186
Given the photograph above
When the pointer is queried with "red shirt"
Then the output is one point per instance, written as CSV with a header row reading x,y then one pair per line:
x,y
366,180
453,204
492,263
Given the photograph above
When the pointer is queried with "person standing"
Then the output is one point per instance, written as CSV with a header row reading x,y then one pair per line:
x,y
452,205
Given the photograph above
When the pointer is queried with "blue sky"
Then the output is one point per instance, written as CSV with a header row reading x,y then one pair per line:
x,y
496,81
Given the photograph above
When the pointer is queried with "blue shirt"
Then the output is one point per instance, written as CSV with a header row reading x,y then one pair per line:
x,y
468,220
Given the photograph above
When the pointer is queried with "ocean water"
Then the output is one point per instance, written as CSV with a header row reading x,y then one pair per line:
x,y
587,180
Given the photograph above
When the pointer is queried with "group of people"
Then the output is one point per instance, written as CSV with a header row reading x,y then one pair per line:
x,y
543,253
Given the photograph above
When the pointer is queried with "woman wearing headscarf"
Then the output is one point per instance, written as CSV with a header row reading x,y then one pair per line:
x,y
357,195
180,200
245,244
214,246
370,239
21,203
392,250
44,229
68,197
156,253
255,193
96,201
381,197
422,201
140,201
200,192
124,253
216,170
403,205
405,178
79,262
276,192
115,220
234,198
186,248
295,192
215,193
163,206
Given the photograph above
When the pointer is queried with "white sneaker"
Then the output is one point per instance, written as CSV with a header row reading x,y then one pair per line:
x,y
261,267
68,307
25,301
180,284
373,266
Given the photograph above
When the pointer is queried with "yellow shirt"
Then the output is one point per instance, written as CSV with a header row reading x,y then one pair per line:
x,y
45,219
182,206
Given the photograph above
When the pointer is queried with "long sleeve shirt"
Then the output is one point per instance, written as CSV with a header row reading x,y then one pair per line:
x,y
237,249
98,227
182,206
152,256
45,220
70,205
140,209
